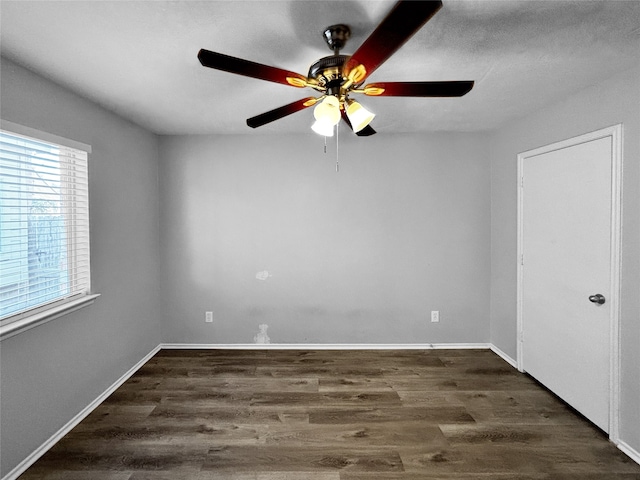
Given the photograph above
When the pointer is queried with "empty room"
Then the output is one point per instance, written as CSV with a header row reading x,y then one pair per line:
x,y
323,240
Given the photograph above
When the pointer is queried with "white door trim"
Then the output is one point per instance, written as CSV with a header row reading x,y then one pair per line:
x,y
615,132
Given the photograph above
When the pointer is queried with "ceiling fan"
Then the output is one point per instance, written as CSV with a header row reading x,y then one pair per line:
x,y
337,77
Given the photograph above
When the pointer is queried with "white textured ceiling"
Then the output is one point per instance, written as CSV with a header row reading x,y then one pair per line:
x,y
138,58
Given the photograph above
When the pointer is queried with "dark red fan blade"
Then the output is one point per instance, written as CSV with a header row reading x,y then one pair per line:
x,y
423,89
399,25
247,68
279,113
365,132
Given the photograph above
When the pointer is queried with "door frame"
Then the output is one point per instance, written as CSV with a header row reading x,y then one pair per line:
x,y
615,132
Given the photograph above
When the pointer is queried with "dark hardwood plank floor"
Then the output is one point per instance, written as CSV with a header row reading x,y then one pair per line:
x,y
332,415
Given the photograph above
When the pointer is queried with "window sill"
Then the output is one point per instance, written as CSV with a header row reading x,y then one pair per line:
x,y
27,323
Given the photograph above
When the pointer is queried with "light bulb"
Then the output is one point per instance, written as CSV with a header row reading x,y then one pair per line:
x,y
323,127
359,116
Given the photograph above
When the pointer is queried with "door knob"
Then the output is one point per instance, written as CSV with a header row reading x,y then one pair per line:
x,y
597,298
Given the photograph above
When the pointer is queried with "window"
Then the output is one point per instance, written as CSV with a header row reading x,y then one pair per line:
x,y
44,226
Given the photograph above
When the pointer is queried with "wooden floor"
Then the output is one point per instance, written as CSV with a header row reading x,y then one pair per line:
x,y
328,415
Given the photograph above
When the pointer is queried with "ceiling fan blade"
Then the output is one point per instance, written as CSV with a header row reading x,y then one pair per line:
x,y
278,113
399,25
247,68
419,89
365,132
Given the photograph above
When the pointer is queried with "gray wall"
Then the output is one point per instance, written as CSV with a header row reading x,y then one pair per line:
x,y
52,372
614,101
359,256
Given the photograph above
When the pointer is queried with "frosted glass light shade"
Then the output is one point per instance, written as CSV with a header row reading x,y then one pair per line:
x,y
322,127
359,116
328,110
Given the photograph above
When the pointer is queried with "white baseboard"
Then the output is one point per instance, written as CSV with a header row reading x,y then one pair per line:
x,y
631,452
324,346
504,356
42,449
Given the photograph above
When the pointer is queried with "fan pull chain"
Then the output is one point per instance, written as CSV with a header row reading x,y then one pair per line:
x,y
337,152
325,145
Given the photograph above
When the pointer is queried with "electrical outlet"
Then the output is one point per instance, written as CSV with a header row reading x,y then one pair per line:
x,y
208,317
435,316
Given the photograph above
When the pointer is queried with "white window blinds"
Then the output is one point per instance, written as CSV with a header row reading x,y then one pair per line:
x,y
44,225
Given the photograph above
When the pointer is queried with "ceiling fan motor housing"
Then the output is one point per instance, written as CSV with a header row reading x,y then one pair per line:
x,y
327,72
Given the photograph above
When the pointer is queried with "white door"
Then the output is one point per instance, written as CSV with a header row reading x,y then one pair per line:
x,y
566,264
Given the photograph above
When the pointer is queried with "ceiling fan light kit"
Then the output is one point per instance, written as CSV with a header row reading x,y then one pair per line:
x,y
337,76
327,115
359,116
328,110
